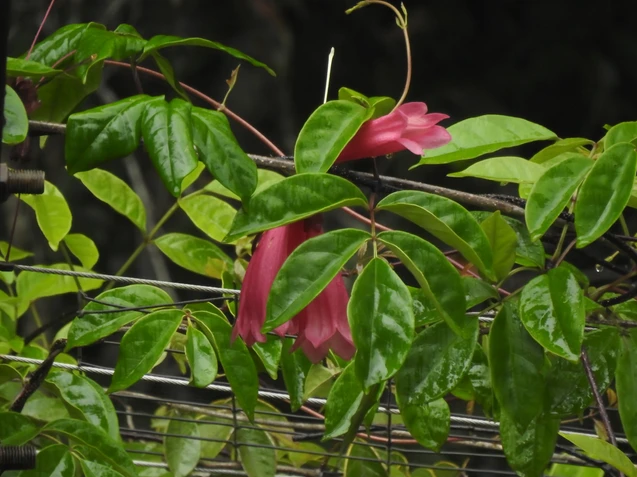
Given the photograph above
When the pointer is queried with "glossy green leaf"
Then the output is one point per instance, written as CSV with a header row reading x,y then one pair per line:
x,y
116,193
626,384
169,74
270,354
104,133
552,193
326,133
167,134
164,41
97,440
529,451
219,150
182,446
503,169
62,42
93,469
194,254
425,312
191,178
435,364
295,198
382,321
211,215
605,192
480,378
55,460
428,422
516,362
504,242
602,450
83,248
474,137
439,280
16,123
256,461
343,401
307,271
88,398
142,345
17,429
560,147
265,179
235,358
90,327
52,213
363,460
552,310
33,285
294,367
622,132
201,358
477,291
446,220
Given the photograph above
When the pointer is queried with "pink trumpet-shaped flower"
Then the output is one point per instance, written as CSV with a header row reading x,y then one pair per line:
x,y
407,127
321,326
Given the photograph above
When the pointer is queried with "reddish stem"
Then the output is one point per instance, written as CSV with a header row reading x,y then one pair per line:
x,y
37,35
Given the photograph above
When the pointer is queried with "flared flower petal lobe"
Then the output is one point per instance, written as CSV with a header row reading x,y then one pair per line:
x,y
408,127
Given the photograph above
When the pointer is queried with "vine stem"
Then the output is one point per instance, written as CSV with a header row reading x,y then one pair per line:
x,y
598,397
37,35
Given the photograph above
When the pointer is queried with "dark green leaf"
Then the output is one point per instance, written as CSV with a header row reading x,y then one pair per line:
x,y
294,367
194,254
16,123
182,446
211,215
295,198
219,150
93,469
89,328
553,191
270,354
58,45
16,429
480,379
503,169
326,133
382,320
605,192
439,280
165,41
83,248
626,384
169,74
474,137
52,213
201,358
516,362
503,240
142,345
428,422
55,460
446,220
256,461
477,291
167,133
33,285
307,271
425,312
343,401
622,132
103,133
560,147
552,310
602,450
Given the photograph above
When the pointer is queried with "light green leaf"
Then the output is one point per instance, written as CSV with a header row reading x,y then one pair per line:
x,y
52,213
182,446
503,169
622,132
83,248
256,461
560,147
29,69
201,358
626,384
16,123
602,450
503,240
265,179
294,367
211,215
33,285
194,254
428,422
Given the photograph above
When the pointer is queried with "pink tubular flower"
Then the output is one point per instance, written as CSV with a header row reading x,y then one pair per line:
x,y
407,127
321,326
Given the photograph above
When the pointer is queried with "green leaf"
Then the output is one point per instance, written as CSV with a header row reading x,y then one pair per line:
x,y
93,469
552,311
90,327
425,312
343,401
382,105
83,248
116,193
167,134
294,367
382,321
552,193
270,354
16,122
626,385
218,149
182,446
474,137
516,362
503,169
16,253
605,192
560,147
529,452
17,429
503,240
477,291
211,215
142,345
89,398
295,198
439,280
201,358
33,285
55,460
194,254
622,132
169,74
52,213
215,436
568,470
104,133
307,271
428,422
435,364
265,179
317,378
256,461
480,379
446,220
326,133
100,443
362,460
164,41
602,450
235,358
58,45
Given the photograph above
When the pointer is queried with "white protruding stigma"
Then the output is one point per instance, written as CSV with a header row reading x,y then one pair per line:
x,y
330,58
